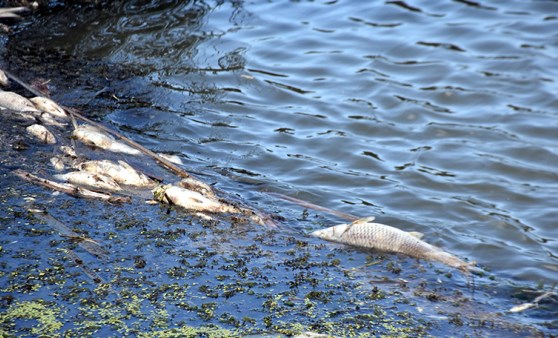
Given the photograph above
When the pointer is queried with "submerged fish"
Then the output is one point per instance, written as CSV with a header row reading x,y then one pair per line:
x,y
364,233
94,136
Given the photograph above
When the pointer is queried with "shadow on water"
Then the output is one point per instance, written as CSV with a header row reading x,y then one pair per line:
x,y
433,117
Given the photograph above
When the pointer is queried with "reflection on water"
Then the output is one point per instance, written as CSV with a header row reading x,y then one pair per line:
x,y
439,117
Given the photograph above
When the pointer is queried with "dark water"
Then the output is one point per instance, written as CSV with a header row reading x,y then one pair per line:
x,y
439,117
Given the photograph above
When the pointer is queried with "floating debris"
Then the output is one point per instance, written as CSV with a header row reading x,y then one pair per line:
x,y
121,172
49,106
364,233
14,101
94,136
90,245
93,181
41,133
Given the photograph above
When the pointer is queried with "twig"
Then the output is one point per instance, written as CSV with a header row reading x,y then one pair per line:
x,y
86,243
314,206
70,189
79,262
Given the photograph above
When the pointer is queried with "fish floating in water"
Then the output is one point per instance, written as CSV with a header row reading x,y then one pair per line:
x,y
121,172
367,234
48,106
13,101
41,133
94,181
191,200
94,136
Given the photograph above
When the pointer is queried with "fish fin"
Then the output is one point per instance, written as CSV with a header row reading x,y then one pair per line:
x,y
365,220
358,221
416,234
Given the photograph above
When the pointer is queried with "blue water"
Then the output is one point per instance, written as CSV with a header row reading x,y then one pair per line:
x,y
437,117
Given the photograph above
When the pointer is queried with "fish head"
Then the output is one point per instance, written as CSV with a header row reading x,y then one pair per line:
x,y
333,233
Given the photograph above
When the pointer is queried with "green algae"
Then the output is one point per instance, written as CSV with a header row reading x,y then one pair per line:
x,y
45,318
192,332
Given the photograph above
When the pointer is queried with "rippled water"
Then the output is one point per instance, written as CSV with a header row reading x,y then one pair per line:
x,y
440,117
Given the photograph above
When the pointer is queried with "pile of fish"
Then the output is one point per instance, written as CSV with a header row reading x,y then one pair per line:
x,y
47,119
95,178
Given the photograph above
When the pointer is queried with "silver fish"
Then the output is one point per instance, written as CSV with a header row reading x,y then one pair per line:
x,y
191,200
94,136
41,133
95,181
367,234
48,106
121,172
13,101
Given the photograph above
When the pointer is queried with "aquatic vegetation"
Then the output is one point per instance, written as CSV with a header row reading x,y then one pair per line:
x,y
45,318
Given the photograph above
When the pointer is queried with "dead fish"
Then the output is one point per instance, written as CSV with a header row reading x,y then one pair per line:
x,y
49,106
90,180
41,133
172,158
121,172
68,151
57,163
191,200
48,119
93,136
191,183
13,101
3,79
364,233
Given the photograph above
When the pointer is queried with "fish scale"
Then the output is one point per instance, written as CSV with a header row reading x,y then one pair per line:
x,y
367,234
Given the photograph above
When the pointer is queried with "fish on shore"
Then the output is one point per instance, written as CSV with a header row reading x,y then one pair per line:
x,y
367,234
